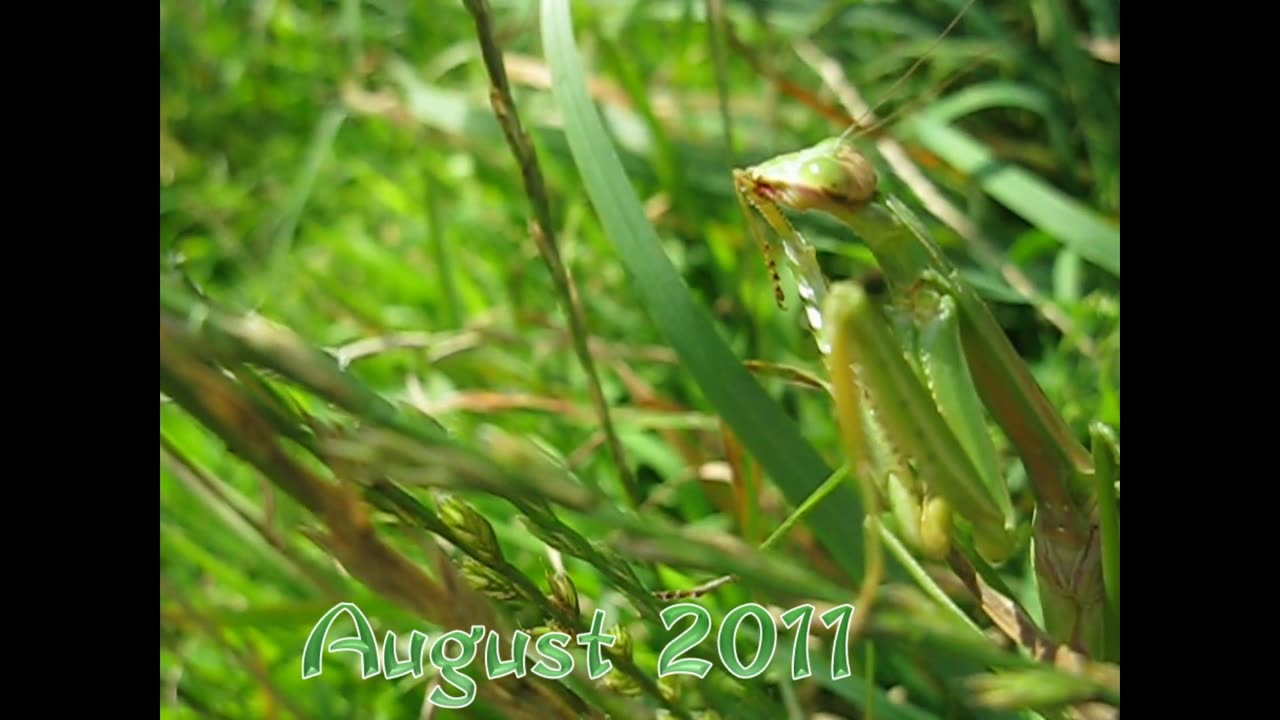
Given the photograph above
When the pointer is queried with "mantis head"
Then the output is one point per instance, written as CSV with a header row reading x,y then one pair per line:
x,y
831,176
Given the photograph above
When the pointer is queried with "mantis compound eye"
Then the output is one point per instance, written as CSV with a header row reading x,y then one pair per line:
x,y
849,176
824,174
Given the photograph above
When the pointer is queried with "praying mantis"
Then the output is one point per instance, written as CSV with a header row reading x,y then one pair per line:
x,y
925,360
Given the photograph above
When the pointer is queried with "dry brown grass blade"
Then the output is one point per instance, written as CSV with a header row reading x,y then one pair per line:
x,y
1013,622
738,477
197,479
213,398
792,375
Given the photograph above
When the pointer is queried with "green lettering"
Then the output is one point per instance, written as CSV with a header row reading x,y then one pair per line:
x,y
597,665
451,668
841,615
801,616
365,643
551,647
393,667
668,662
727,641
495,667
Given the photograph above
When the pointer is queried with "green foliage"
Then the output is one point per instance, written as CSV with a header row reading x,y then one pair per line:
x,y
413,431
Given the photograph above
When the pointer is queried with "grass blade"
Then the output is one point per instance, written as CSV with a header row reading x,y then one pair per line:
x,y
1086,233
760,424
1106,462
544,233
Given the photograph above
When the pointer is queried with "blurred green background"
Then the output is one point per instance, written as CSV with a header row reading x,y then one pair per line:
x,y
336,167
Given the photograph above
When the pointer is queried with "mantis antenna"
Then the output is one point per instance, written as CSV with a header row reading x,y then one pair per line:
x,y
914,66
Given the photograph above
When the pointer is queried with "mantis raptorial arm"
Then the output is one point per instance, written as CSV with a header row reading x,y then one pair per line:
x,y
929,384
914,424
800,255
943,362
1053,456
923,516
913,454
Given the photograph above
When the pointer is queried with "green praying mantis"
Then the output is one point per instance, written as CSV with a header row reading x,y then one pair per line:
x,y
925,360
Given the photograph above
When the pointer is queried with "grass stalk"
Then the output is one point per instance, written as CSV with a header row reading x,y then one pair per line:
x,y
543,230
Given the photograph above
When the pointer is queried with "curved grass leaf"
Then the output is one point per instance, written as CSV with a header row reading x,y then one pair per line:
x,y
1038,203
1000,94
992,95
757,421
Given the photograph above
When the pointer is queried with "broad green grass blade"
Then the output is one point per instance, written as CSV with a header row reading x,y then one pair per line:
x,y
1038,203
991,95
760,424
1000,94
